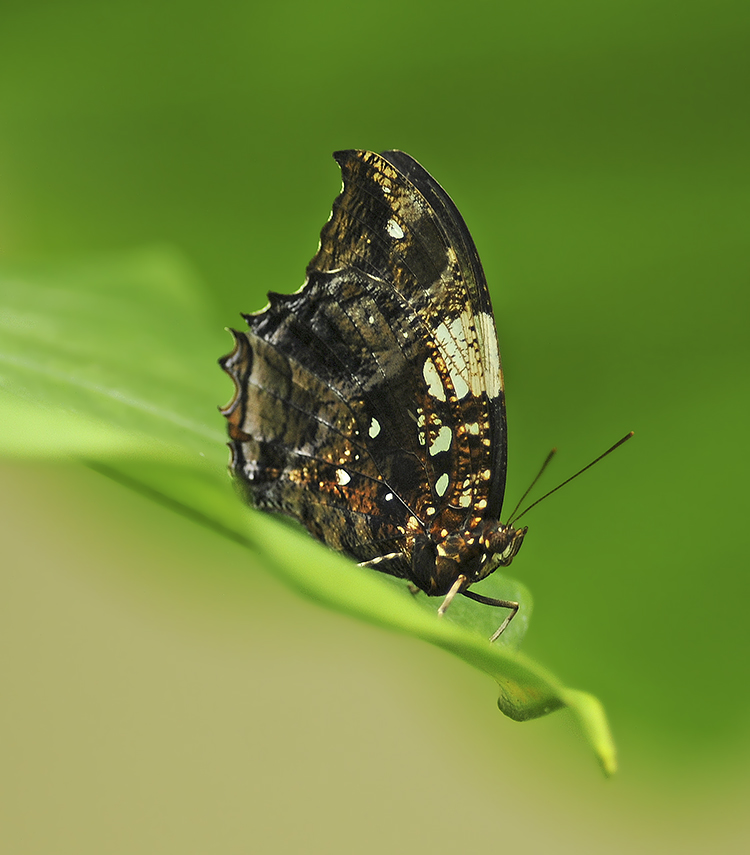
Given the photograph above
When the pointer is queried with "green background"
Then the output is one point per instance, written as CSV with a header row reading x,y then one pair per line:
x,y
161,692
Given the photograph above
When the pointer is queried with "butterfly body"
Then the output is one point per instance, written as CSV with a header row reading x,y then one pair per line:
x,y
369,405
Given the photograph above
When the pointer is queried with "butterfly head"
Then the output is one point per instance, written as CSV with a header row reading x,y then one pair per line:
x,y
473,553
502,542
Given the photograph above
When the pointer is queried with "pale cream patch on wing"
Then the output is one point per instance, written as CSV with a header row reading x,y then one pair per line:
x,y
433,381
493,374
394,229
442,441
459,346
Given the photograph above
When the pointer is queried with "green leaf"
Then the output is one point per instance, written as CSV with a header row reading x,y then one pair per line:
x,y
118,353
115,362
526,690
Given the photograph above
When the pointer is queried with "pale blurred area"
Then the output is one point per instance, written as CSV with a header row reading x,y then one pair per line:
x,y
164,695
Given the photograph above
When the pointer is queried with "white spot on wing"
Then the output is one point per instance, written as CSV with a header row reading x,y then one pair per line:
x,y
493,375
394,229
442,441
432,379
460,385
342,477
441,485
374,428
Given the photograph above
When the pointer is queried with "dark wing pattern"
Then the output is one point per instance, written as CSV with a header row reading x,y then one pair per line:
x,y
369,405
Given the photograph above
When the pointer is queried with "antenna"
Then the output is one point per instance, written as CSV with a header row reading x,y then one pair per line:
x,y
531,486
513,519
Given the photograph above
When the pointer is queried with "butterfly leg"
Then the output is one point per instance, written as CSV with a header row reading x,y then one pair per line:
x,y
455,588
393,563
503,604
501,629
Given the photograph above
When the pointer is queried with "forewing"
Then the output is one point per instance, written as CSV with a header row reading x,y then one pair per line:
x,y
393,217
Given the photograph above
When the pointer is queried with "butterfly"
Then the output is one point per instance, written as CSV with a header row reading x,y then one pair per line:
x,y
369,405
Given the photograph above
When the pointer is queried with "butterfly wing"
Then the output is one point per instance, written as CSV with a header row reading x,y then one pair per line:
x,y
369,405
